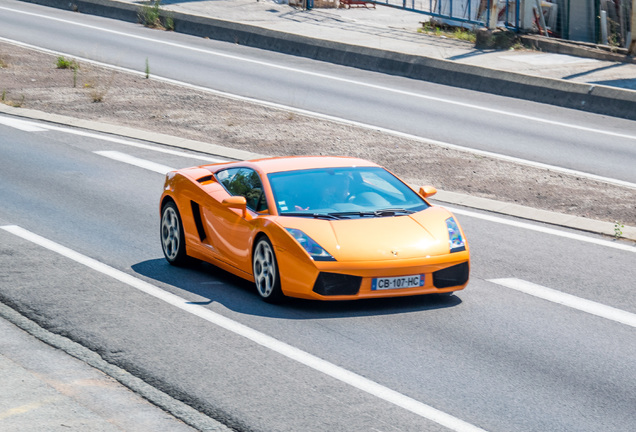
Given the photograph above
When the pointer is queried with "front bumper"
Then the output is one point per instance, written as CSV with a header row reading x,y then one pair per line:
x,y
447,279
351,281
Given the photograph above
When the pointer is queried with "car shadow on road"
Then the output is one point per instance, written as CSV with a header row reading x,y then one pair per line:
x,y
204,284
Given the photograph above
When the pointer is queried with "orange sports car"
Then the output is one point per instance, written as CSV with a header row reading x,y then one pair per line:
x,y
328,228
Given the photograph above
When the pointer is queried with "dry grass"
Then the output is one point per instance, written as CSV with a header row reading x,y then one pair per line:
x,y
7,101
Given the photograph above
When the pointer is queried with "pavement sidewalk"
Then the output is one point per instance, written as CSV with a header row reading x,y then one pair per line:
x,y
49,383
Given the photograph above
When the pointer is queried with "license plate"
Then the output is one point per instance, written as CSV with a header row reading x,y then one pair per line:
x,y
412,281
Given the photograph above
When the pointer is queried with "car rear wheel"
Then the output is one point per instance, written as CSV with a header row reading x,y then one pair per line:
x,y
172,237
265,267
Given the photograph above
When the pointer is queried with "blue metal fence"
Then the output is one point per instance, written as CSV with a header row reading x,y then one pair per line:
x,y
463,12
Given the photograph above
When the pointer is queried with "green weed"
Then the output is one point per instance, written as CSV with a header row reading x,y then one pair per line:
x,y
151,15
447,31
463,34
618,230
64,63
168,22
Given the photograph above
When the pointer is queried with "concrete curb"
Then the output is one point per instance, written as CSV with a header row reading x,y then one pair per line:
x,y
544,216
597,99
176,408
578,49
537,215
127,132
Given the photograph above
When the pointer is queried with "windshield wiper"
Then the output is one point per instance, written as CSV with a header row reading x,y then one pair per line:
x,y
376,213
313,215
341,215
392,211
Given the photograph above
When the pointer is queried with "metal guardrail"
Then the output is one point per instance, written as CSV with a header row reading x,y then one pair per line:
x,y
458,12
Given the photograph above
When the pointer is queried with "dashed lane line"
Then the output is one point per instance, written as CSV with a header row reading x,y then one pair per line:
x,y
591,307
29,126
138,162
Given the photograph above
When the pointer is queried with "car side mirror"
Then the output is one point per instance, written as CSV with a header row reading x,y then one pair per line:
x,y
427,191
237,202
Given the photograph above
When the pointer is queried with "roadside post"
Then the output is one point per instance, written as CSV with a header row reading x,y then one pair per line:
x,y
632,30
493,15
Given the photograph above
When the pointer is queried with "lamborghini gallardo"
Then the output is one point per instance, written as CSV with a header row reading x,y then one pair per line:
x,y
313,227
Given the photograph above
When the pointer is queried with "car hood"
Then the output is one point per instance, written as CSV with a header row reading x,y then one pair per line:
x,y
379,238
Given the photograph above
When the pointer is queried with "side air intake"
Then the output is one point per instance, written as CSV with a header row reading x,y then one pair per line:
x,y
196,213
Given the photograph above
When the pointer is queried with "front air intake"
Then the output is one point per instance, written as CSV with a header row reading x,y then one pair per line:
x,y
333,284
451,276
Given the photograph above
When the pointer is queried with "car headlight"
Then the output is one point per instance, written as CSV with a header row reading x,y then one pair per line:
x,y
315,251
455,238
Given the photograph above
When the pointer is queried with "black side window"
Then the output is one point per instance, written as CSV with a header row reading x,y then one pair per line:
x,y
244,182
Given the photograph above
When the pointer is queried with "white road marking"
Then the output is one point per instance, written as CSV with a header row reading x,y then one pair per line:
x,y
331,77
303,357
20,124
142,163
569,300
37,127
545,230
353,82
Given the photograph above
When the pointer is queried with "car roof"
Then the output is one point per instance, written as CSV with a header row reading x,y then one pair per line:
x,y
292,163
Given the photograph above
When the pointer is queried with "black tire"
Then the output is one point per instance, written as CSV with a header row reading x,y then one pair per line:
x,y
265,271
172,236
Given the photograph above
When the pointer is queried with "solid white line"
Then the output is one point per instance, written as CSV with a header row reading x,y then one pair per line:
x,y
262,339
569,300
141,163
365,125
37,127
542,229
333,77
20,124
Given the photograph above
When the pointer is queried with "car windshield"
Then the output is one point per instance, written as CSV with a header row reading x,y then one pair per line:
x,y
343,193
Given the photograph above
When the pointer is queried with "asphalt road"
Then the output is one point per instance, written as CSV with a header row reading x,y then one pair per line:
x,y
539,133
491,356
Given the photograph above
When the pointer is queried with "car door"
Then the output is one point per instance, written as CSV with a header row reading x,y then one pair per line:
x,y
230,233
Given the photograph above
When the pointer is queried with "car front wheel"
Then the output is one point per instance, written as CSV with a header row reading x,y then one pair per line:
x,y
172,237
266,276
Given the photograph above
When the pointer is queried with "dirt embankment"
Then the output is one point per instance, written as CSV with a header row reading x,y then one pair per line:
x,y
31,79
